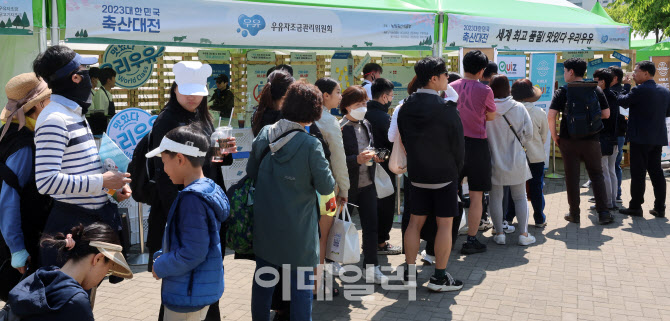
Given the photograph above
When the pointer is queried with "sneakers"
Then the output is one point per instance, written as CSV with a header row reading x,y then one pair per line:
x,y
374,275
506,228
499,239
541,225
410,282
658,213
445,284
473,247
485,224
526,240
389,249
428,259
619,200
592,200
631,211
587,184
572,218
605,218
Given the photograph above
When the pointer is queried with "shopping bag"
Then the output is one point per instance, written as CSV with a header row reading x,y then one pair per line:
x,y
383,182
343,245
398,159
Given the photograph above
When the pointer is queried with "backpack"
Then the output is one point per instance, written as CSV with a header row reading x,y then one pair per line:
x,y
141,171
240,223
582,112
35,209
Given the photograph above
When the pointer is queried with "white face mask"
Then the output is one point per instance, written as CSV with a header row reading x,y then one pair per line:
x,y
359,113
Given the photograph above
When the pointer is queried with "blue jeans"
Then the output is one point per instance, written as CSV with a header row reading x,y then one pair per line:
x,y
535,186
261,296
617,163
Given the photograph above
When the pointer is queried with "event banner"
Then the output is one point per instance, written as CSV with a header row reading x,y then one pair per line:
x,y
256,79
512,34
542,75
512,66
304,66
232,24
16,17
662,78
400,76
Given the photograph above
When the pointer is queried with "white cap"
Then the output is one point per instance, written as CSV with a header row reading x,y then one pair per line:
x,y
191,77
170,145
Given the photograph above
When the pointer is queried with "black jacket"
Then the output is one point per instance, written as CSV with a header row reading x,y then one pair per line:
x,y
432,133
351,152
649,104
380,121
171,117
622,122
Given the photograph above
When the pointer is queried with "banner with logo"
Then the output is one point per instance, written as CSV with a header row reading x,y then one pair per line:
x,y
665,155
304,66
542,75
400,76
512,66
133,64
662,76
128,127
241,24
16,17
514,34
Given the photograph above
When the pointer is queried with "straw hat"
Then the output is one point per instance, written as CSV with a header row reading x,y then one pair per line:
x,y
23,92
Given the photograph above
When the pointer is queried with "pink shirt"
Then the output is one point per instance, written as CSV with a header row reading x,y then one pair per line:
x,y
474,101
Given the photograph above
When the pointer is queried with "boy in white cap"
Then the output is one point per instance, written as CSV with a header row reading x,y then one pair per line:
x,y
192,253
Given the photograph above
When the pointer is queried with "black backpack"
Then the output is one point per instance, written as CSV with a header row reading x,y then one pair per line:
x,y
141,172
582,112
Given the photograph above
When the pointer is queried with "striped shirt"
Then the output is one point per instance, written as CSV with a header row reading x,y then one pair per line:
x,y
67,164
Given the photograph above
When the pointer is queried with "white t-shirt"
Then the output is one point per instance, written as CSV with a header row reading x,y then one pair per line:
x,y
368,87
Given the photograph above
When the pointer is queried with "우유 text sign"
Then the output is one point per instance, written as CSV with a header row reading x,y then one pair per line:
x,y
133,64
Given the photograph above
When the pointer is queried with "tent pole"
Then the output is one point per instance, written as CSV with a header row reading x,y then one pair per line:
x,y
43,29
55,36
440,30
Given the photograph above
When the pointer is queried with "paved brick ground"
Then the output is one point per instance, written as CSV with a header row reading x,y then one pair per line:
x,y
588,272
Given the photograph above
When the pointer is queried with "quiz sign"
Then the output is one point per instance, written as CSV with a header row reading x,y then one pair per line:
x,y
512,66
133,64
128,127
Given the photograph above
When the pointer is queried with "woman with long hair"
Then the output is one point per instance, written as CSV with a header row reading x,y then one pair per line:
x,y
508,133
91,252
332,137
187,104
268,111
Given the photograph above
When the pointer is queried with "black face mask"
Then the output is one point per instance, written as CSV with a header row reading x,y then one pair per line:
x,y
387,105
79,93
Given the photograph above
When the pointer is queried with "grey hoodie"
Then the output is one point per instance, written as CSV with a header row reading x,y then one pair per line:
x,y
508,157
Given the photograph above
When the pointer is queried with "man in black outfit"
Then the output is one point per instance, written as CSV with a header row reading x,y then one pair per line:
x,y
379,118
649,104
574,149
432,133
622,124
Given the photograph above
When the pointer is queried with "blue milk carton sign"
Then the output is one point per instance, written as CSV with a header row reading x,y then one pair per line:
x,y
128,127
133,64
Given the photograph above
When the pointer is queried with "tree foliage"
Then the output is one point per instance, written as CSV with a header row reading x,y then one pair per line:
x,y
25,23
644,16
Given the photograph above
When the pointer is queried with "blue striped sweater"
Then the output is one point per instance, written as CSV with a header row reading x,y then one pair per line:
x,y
67,164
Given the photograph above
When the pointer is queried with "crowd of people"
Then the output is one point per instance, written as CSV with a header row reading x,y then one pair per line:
x,y
62,235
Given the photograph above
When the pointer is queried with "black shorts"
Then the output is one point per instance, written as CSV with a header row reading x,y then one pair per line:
x,y
477,164
441,202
